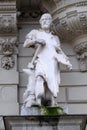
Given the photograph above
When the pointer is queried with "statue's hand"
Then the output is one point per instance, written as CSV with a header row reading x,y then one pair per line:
x,y
69,67
31,66
28,43
41,41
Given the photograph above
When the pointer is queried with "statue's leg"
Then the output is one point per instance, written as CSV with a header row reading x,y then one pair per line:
x,y
50,99
39,89
54,102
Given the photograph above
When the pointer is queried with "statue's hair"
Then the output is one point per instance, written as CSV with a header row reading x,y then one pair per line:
x,y
48,15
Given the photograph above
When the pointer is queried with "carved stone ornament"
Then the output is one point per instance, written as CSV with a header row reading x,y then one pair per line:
x,y
81,48
8,45
81,51
7,62
8,23
70,20
8,5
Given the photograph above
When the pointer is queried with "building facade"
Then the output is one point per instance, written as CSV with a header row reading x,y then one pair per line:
x,y
19,17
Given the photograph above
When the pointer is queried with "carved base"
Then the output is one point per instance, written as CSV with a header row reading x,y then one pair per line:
x,y
31,111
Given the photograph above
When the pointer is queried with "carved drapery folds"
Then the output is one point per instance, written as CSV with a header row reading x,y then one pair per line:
x,y
8,30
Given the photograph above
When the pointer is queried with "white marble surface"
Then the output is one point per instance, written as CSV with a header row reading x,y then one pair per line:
x,y
44,67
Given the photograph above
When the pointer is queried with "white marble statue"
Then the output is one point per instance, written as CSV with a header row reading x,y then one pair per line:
x,y
43,71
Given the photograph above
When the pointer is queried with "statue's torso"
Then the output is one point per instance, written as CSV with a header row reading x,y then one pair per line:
x,y
49,49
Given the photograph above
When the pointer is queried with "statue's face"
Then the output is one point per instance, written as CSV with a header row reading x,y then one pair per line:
x,y
46,21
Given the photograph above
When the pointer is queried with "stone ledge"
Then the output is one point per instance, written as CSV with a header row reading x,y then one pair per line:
x,y
61,122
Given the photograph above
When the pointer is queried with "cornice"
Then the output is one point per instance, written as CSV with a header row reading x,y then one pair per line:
x,y
7,5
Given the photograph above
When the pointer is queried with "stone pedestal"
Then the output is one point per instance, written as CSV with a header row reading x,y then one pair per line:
x,y
62,122
31,111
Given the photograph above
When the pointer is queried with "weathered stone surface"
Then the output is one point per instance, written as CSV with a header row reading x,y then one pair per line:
x,y
77,94
32,111
45,122
76,78
77,108
26,28
8,93
25,51
9,77
23,63
9,108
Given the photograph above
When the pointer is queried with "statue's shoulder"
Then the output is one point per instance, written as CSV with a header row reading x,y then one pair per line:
x,y
55,36
32,33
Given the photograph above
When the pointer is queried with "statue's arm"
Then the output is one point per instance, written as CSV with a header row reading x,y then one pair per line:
x,y
58,48
30,39
59,51
28,43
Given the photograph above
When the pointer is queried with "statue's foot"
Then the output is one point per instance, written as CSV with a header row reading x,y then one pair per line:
x,y
30,103
38,102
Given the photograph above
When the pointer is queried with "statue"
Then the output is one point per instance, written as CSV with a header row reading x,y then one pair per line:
x,y
43,71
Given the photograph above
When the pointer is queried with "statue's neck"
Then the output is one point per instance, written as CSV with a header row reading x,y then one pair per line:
x,y
45,30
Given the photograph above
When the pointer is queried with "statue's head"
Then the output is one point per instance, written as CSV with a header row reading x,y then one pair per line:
x,y
46,21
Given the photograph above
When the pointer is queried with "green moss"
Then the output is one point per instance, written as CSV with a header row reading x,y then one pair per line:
x,y
53,111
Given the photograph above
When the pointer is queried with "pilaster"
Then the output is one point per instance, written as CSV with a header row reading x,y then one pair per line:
x,y
8,58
